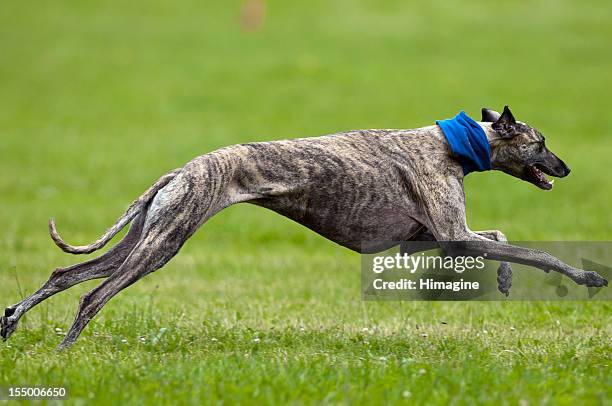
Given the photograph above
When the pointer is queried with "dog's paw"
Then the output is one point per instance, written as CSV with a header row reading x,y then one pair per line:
x,y
593,279
504,278
8,323
4,330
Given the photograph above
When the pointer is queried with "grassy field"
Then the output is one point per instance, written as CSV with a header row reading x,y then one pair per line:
x,y
97,100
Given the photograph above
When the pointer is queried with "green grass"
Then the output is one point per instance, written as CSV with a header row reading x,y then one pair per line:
x,y
98,100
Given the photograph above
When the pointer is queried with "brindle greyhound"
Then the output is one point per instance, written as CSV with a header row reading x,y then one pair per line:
x,y
361,189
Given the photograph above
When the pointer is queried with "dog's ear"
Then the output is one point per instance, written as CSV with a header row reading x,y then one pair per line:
x,y
489,116
506,124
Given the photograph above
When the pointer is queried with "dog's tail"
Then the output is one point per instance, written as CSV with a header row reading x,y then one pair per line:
x,y
121,222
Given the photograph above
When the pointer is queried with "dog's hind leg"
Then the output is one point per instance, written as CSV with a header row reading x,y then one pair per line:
x,y
63,278
175,214
146,257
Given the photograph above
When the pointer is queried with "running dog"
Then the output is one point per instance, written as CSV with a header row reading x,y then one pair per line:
x,y
361,189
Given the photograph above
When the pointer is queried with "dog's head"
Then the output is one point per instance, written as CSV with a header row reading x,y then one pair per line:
x,y
519,150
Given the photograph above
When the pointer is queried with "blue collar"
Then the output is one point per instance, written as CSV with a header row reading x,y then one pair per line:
x,y
468,141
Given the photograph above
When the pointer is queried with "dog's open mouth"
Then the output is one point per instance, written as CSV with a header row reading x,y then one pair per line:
x,y
537,177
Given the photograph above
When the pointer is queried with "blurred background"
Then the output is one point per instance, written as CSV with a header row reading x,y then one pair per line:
x,y
98,99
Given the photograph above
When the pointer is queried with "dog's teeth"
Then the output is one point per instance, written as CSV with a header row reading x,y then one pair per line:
x,y
551,181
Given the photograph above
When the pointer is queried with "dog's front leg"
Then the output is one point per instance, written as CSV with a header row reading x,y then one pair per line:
x,y
444,211
474,244
470,243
